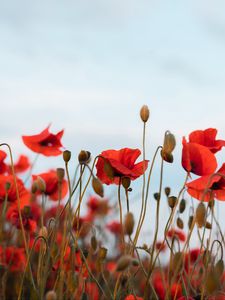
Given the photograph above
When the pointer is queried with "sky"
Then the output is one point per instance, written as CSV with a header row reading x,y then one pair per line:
x,y
88,66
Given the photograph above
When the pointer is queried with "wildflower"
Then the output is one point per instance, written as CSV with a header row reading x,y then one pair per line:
x,y
45,143
132,297
122,163
207,138
22,165
53,188
97,206
13,257
3,166
208,187
174,233
176,291
198,159
114,227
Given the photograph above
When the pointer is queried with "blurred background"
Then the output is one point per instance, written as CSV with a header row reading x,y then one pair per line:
x,y
88,66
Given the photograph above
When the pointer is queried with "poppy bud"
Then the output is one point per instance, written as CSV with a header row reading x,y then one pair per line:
x,y
34,187
168,157
97,186
66,155
144,113
123,263
41,186
182,206
167,191
169,142
126,182
208,225
180,223
7,186
51,295
43,232
129,223
84,156
200,215
60,174
94,243
102,253
190,222
156,196
172,200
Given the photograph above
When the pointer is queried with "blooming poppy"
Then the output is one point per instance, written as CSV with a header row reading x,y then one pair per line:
x,y
122,164
52,185
114,227
21,165
11,192
207,138
3,166
198,159
175,233
45,143
208,187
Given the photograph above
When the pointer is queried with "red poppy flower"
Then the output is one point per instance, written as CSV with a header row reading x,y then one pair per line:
x,y
12,257
122,163
98,206
160,246
29,223
175,233
114,227
159,285
3,166
176,291
52,185
198,159
22,165
45,143
215,186
92,291
11,193
207,138
132,297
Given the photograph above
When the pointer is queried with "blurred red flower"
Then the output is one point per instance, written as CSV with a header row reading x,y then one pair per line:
x,y
207,138
198,159
98,206
122,163
45,143
132,297
3,166
13,257
208,187
175,233
176,291
114,227
52,185
21,165
11,193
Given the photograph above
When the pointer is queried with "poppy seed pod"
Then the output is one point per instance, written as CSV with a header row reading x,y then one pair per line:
x,y
97,186
144,113
60,173
84,156
129,223
123,263
200,215
66,155
51,295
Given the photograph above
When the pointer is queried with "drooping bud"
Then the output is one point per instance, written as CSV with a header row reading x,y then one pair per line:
x,y
126,182
60,174
200,215
51,295
168,157
156,196
41,186
190,222
180,223
66,155
172,200
123,263
97,186
167,191
144,113
169,142
182,206
129,223
84,156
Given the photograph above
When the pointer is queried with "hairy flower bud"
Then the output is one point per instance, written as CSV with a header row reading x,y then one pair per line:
x,y
172,200
169,142
66,155
182,206
129,223
144,113
41,186
97,186
84,156
200,215
123,263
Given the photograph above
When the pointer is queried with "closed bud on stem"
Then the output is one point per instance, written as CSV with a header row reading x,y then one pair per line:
x,y
41,186
167,191
156,196
172,200
123,263
200,215
60,174
66,155
126,182
169,142
94,243
43,232
190,221
129,223
51,295
144,113
182,206
97,186
168,157
84,157
180,223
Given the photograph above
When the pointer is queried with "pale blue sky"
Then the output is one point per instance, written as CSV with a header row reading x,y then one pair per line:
x,y
88,66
